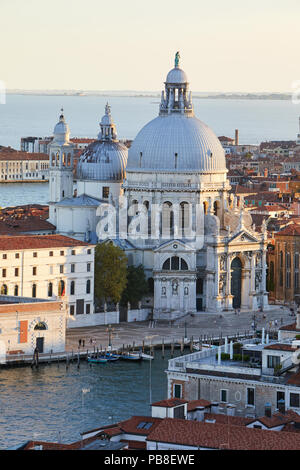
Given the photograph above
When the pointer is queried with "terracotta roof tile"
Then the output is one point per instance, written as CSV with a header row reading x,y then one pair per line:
x,y
193,404
280,347
134,425
27,242
170,402
221,436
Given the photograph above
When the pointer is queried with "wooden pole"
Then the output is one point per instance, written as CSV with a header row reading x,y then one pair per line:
x,y
163,348
182,345
191,344
143,349
172,348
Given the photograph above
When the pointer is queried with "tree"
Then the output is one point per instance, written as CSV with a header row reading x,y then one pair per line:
x,y
137,285
110,273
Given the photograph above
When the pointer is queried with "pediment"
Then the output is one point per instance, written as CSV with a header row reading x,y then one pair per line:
x,y
243,237
174,246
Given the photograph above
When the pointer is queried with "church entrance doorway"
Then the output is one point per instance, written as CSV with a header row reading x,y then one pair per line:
x,y
236,282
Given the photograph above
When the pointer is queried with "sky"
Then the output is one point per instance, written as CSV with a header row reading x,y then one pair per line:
x,y
232,45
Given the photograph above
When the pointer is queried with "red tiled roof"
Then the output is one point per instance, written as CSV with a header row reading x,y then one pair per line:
x,y
280,347
27,242
278,419
170,402
226,419
130,426
135,445
221,436
8,153
193,404
292,327
292,229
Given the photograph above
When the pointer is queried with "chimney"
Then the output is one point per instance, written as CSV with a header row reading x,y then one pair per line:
x,y
236,137
298,321
214,407
266,172
268,410
231,410
199,415
281,406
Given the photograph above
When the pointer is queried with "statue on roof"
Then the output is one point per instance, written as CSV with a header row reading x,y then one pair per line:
x,y
177,58
107,109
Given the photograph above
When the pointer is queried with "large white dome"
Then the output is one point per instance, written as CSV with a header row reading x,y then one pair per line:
x,y
196,145
176,141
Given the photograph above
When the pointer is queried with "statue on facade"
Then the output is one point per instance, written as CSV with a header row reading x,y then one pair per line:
x,y
177,57
175,287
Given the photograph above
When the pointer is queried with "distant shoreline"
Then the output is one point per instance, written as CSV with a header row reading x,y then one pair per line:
x,y
120,94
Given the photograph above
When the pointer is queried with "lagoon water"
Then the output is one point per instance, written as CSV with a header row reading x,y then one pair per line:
x,y
33,115
48,403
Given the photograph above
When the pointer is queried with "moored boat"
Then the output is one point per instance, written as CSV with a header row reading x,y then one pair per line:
x,y
97,360
131,357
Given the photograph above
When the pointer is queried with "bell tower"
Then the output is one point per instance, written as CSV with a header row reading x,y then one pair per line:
x,y
61,154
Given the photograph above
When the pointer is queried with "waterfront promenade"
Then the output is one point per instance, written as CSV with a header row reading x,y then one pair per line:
x,y
201,324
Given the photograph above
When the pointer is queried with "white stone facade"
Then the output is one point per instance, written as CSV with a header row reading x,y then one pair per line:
x,y
23,326
61,269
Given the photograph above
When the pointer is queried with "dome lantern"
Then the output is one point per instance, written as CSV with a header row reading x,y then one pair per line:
x,y
107,126
176,97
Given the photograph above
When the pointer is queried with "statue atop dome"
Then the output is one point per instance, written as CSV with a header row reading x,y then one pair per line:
x,y
177,58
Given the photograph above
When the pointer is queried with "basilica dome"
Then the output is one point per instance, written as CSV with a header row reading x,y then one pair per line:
x,y
106,158
176,141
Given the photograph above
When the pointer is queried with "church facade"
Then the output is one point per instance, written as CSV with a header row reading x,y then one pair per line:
x,y
169,207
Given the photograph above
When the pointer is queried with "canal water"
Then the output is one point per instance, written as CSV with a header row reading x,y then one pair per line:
x,y
51,402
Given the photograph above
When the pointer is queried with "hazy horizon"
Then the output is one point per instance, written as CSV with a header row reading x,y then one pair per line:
x,y
93,45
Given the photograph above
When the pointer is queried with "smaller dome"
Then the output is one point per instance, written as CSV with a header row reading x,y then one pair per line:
x,y
177,75
103,161
61,131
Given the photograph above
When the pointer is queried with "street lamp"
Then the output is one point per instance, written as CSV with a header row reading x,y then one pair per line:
x,y
110,331
150,369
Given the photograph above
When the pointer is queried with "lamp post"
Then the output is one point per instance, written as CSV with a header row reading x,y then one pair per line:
x,y
150,370
110,331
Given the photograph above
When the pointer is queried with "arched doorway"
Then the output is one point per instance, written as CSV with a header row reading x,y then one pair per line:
x,y
236,282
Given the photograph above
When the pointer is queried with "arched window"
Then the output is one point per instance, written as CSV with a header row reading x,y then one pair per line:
x,y
72,288
135,206
16,290
216,208
88,286
61,288
205,207
184,217
4,289
50,289
34,290
151,285
40,326
175,264
167,219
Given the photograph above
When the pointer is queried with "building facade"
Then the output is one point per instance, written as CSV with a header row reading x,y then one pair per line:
x,y
25,326
168,206
17,167
50,267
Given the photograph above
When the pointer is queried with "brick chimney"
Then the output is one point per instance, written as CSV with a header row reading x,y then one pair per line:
x,y
236,137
